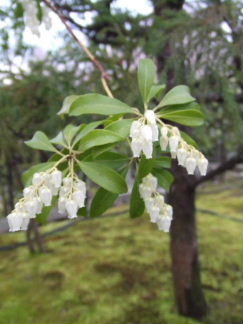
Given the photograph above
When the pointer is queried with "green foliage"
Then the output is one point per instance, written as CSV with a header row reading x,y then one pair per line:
x,y
188,115
27,175
179,95
94,103
146,78
104,176
40,142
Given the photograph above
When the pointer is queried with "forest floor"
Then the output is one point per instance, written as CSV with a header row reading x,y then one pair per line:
x,y
116,270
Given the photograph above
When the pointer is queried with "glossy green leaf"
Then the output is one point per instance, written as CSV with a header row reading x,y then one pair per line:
x,y
102,200
146,77
95,103
98,137
156,91
70,131
19,10
67,104
185,116
165,178
136,208
27,175
120,127
104,176
59,139
162,162
188,139
41,142
85,129
177,96
112,159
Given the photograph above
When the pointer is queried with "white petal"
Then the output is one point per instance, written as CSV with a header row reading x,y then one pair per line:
x,y
173,142
45,195
72,208
79,198
154,214
150,116
136,147
164,131
181,156
135,128
164,140
56,178
190,164
146,133
164,223
202,166
61,205
147,147
37,178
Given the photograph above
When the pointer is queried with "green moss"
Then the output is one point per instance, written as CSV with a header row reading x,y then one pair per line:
x,y
117,270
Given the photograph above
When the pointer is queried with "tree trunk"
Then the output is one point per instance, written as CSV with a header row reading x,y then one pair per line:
x,y
34,239
184,247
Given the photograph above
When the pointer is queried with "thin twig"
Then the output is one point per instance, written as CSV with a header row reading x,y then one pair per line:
x,y
104,75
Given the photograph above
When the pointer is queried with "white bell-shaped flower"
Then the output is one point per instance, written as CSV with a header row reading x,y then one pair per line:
x,y
190,165
136,146
28,192
14,221
164,223
31,207
25,223
202,164
45,195
145,191
146,133
67,182
174,142
159,201
149,203
181,156
164,141
150,116
72,208
56,178
37,178
154,214
135,128
79,198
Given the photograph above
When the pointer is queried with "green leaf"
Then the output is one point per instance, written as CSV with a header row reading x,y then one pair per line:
x,y
165,178
86,129
95,103
177,96
98,137
136,203
190,116
120,127
104,176
146,77
162,162
188,139
41,142
70,131
112,159
27,175
59,139
67,104
102,200
156,91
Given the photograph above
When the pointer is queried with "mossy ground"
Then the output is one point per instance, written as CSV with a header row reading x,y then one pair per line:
x,y
117,270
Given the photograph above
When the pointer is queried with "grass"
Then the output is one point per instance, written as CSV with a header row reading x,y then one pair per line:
x,y
117,271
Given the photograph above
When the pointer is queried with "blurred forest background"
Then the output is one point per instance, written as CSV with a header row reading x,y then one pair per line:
x,y
113,269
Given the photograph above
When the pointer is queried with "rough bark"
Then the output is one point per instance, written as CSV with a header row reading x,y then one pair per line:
x,y
184,248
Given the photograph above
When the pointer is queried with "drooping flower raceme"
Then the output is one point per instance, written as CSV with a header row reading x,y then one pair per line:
x,y
187,155
45,185
159,212
145,131
72,196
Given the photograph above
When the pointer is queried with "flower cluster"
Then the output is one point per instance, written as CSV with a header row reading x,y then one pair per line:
x,y
72,196
187,155
159,212
31,16
44,186
145,131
